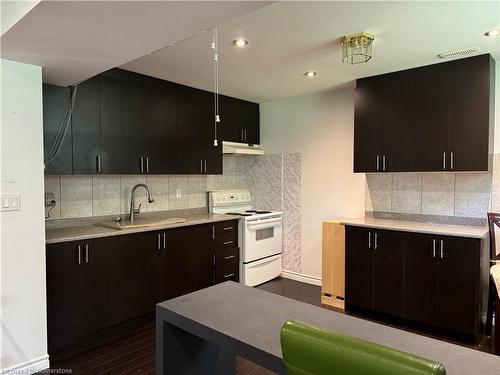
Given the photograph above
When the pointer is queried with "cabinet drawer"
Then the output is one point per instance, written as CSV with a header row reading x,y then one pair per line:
x,y
226,235
225,257
226,227
228,272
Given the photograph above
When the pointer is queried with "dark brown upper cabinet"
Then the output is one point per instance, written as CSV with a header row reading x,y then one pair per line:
x,y
433,118
240,121
55,103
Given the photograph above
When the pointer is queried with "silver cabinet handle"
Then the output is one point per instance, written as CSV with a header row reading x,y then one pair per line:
x,y
228,242
444,160
147,164
383,162
201,166
98,163
375,244
213,232
245,135
452,162
242,134
164,240
142,164
86,253
204,166
369,240
378,162
227,228
434,248
229,257
79,254
159,244
228,275
442,249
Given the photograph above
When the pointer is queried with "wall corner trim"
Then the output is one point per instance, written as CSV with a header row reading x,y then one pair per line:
x,y
29,367
314,280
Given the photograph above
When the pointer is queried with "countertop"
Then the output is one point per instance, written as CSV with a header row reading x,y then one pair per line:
x,y
216,312
77,233
467,231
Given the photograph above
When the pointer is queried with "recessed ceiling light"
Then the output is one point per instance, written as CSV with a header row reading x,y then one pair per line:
x,y
240,43
493,32
310,74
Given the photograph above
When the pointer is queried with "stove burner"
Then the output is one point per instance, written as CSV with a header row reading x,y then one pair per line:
x,y
258,212
238,214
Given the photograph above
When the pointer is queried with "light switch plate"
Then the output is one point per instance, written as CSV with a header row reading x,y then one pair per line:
x,y
11,202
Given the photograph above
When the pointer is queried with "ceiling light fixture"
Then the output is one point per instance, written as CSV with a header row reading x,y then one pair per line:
x,y
493,32
310,74
240,43
357,48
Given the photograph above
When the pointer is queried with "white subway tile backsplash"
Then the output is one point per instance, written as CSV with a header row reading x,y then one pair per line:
x,y
438,193
407,193
159,189
76,196
197,191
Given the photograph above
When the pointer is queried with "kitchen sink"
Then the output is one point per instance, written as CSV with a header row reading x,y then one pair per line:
x,y
141,223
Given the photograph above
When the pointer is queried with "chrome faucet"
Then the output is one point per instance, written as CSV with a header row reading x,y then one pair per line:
x,y
134,210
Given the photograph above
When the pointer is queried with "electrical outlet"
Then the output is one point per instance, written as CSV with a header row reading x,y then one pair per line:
x,y
49,197
11,202
178,193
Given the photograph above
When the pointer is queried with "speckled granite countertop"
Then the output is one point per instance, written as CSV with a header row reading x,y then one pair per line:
x,y
77,233
468,231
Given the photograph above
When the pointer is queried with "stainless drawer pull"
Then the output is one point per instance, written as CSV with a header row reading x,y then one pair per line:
x,y
147,164
142,164
375,245
86,253
442,249
369,240
79,255
228,228
228,242
383,162
228,276
434,248
229,257
378,162
98,163
159,245
444,160
164,240
452,162
213,232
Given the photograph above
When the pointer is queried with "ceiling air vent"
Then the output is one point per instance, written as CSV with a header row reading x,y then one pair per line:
x,y
460,53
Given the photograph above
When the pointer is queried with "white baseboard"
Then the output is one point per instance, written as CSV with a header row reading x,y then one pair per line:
x,y
301,277
29,367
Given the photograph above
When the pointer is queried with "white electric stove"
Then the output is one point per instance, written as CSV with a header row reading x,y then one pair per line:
x,y
260,235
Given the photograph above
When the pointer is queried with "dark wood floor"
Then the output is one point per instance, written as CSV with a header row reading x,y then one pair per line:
x,y
132,351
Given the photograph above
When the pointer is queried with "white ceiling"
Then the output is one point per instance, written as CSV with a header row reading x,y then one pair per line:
x,y
290,38
75,40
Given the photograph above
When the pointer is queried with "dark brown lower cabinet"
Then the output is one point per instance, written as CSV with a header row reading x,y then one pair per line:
x,y
434,280
94,284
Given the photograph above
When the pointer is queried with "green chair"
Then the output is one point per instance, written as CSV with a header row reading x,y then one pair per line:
x,y
309,350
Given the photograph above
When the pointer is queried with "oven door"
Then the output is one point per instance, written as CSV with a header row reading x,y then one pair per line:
x,y
262,238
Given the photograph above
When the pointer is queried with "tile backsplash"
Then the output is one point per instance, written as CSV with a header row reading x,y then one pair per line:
x,y
443,194
85,196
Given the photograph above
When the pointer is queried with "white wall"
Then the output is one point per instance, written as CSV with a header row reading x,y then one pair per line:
x,y
320,127
22,244
12,11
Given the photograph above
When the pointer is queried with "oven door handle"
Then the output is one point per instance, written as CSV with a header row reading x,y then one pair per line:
x,y
265,223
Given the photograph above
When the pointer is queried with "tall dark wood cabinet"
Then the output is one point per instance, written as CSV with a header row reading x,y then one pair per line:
x,y
240,120
121,132
55,103
432,118
159,127
86,121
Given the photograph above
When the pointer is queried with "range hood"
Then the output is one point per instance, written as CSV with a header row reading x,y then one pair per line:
x,y
241,148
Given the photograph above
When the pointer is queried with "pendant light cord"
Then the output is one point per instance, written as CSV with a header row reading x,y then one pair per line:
x,y
215,48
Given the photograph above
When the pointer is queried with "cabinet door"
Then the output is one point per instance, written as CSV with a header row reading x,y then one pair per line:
x,y
55,103
189,260
121,133
131,286
469,113
421,278
230,127
388,255
250,121
458,284
87,128
430,118
368,120
395,105
159,124
359,267
65,296
212,154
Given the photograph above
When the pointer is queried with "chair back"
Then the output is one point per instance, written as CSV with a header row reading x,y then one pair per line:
x,y
494,226
314,351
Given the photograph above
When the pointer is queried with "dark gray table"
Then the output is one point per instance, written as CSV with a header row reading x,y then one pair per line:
x,y
202,332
